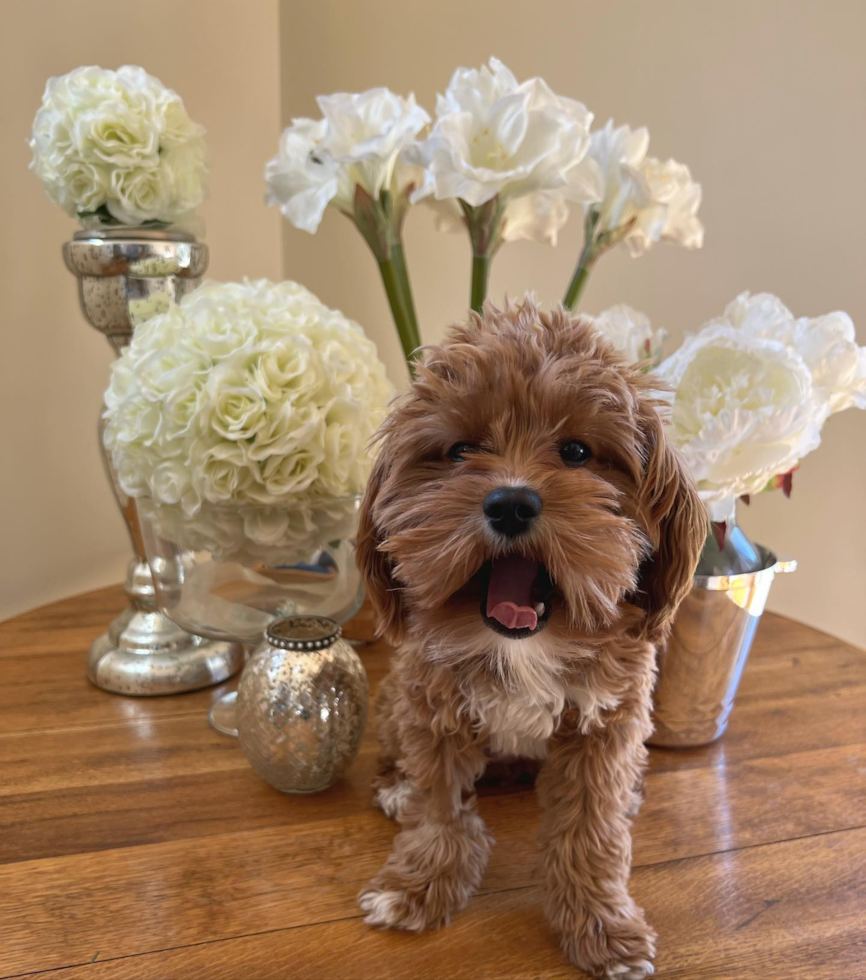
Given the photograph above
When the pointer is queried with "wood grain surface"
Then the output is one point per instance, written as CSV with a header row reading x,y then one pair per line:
x,y
135,842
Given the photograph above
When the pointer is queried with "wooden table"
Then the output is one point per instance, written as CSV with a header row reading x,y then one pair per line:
x,y
136,842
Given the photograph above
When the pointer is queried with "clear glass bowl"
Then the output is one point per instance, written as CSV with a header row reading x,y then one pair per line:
x,y
230,570
227,572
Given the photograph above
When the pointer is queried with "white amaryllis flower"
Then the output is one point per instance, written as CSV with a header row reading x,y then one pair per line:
x,y
118,147
536,217
826,343
495,138
640,200
359,142
245,394
632,334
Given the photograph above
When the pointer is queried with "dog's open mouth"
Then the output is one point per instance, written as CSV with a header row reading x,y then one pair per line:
x,y
518,596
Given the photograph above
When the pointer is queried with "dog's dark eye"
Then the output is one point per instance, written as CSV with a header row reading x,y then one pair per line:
x,y
460,450
575,453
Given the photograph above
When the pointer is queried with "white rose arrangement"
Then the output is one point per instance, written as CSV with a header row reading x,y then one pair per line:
x,y
249,406
118,147
506,160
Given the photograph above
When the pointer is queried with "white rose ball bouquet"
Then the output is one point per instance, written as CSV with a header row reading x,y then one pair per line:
x,y
118,148
243,417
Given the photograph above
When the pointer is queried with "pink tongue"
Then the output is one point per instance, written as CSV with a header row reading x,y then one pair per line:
x,y
509,592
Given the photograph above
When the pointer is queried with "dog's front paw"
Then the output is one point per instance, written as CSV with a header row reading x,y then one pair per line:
x,y
422,906
432,873
622,950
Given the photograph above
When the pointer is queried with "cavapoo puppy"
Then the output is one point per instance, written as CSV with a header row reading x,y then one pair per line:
x,y
525,539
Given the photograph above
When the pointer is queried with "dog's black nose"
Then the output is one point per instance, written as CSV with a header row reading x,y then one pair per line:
x,y
511,510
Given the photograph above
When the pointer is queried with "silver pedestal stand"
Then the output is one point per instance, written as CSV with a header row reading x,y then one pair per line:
x,y
124,277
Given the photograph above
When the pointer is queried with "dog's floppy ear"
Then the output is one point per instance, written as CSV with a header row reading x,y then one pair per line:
x,y
675,523
376,567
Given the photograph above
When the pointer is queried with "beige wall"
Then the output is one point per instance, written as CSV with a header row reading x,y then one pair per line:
x,y
60,531
764,100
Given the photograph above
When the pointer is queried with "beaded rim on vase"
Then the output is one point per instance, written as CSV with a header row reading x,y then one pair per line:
x,y
307,633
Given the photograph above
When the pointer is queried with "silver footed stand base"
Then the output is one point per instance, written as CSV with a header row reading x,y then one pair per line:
x,y
144,653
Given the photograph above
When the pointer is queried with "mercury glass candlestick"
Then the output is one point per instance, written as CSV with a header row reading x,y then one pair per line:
x,y
124,277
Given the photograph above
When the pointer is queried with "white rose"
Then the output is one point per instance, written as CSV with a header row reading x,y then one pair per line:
x,y
116,134
170,480
265,525
495,137
138,195
744,410
225,473
294,473
85,187
289,370
632,334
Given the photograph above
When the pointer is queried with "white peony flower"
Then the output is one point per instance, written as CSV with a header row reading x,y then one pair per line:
x,y
826,343
744,410
495,138
118,147
246,394
640,200
632,334
753,389
359,142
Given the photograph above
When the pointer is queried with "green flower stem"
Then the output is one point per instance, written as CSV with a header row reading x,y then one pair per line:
x,y
394,289
580,278
480,273
399,260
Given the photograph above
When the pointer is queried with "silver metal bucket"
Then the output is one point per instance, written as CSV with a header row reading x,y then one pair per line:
x,y
701,664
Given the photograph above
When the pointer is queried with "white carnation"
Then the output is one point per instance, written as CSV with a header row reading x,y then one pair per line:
x,y
632,334
246,394
118,146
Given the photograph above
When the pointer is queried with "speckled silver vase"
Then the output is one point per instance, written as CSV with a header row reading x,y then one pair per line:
x,y
302,705
124,277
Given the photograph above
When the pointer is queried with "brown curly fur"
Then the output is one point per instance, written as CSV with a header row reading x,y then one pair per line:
x,y
620,536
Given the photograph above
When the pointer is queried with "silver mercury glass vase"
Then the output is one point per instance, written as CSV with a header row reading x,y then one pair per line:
x,y
302,705
124,277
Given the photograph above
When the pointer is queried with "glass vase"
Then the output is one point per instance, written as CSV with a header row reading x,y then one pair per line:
x,y
230,570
